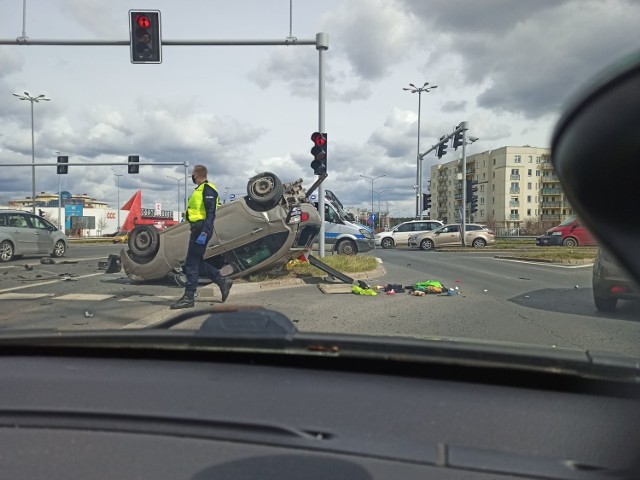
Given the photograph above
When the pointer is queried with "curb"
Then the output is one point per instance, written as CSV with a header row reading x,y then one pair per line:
x,y
581,261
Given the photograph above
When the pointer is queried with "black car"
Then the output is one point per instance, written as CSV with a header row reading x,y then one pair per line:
x,y
611,283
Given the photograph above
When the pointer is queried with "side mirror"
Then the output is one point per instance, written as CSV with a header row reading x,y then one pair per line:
x,y
596,151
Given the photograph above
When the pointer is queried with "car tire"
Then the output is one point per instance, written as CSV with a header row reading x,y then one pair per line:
x,y
144,241
605,304
478,243
265,188
426,244
570,242
59,249
7,251
346,247
387,242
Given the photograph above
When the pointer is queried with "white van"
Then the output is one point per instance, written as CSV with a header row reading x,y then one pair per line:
x,y
341,234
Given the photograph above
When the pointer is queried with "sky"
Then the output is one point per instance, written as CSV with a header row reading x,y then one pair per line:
x,y
506,67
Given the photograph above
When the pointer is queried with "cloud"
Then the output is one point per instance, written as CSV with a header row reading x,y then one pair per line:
x,y
492,39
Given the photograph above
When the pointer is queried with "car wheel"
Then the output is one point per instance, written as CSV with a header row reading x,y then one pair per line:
x,y
387,242
478,243
6,251
59,249
605,304
346,247
265,188
570,242
144,241
426,244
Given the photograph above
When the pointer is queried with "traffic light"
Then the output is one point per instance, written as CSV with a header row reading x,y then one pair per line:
x,y
458,139
133,163
442,148
62,167
471,197
319,152
426,201
144,36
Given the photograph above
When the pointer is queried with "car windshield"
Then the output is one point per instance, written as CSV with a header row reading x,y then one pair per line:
x,y
397,112
567,222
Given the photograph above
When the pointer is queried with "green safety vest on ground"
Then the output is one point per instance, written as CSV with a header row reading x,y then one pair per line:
x,y
196,210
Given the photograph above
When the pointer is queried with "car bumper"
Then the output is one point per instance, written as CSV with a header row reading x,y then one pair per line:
x,y
549,241
365,245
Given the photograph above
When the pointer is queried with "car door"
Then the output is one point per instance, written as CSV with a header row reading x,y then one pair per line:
x,y
448,236
582,235
44,239
236,224
25,236
401,234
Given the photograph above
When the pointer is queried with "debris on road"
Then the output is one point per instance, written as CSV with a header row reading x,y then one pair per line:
x,y
88,314
28,267
47,261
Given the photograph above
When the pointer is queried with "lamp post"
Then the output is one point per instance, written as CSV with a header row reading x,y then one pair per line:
x,y
33,100
373,224
379,208
178,204
117,175
414,89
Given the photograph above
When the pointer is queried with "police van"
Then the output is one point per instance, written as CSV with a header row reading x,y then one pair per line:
x,y
341,233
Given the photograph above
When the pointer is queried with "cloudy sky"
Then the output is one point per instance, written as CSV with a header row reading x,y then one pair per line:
x,y
505,66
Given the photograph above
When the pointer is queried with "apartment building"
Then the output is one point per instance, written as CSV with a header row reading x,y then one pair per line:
x,y
516,187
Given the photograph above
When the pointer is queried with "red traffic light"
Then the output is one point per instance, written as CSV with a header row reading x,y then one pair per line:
x,y
318,139
143,21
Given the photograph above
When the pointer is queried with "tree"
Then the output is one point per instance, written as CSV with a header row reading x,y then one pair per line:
x,y
102,224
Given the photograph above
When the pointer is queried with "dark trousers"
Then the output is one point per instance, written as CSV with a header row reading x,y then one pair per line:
x,y
196,267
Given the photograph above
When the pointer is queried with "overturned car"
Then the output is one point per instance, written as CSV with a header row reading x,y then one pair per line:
x,y
263,230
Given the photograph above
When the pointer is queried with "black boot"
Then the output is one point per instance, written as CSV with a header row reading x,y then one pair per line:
x,y
225,287
186,301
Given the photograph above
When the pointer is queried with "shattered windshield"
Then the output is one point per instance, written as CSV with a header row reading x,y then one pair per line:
x,y
181,168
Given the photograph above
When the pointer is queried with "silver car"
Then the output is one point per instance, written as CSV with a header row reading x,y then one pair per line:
x,y
23,233
273,224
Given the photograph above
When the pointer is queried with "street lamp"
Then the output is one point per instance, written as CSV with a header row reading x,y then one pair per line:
x,y
419,91
179,180
373,224
33,100
117,175
379,208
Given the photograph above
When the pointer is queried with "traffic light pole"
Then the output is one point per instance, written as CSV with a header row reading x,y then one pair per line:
x,y
322,45
463,222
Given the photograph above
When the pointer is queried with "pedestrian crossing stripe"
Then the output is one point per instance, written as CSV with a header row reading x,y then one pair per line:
x,y
24,296
92,297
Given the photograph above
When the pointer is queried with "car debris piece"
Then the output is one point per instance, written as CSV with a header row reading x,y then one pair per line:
x,y
47,261
28,267
88,314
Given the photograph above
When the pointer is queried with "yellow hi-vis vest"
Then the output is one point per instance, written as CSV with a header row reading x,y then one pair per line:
x,y
196,210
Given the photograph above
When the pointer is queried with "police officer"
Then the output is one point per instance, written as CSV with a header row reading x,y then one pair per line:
x,y
200,214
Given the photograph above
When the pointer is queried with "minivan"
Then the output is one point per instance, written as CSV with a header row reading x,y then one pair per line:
x,y
569,233
23,233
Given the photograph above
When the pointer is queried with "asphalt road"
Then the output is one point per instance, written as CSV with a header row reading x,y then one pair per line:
x,y
497,300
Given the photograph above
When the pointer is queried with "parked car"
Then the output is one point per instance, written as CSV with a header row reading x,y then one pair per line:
x,y
449,235
569,233
611,282
273,224
399,235
23,233
121,237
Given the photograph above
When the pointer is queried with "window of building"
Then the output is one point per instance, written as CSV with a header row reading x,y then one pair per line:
x,y
515,171
517,159
528,185
494,161
537,159
528,212
529,173
528,198
530,159
537,173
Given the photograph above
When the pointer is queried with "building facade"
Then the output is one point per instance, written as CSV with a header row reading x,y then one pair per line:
x,y
517,189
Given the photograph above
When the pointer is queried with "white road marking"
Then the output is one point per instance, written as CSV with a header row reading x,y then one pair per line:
x,y
24,296
22,287
92,297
